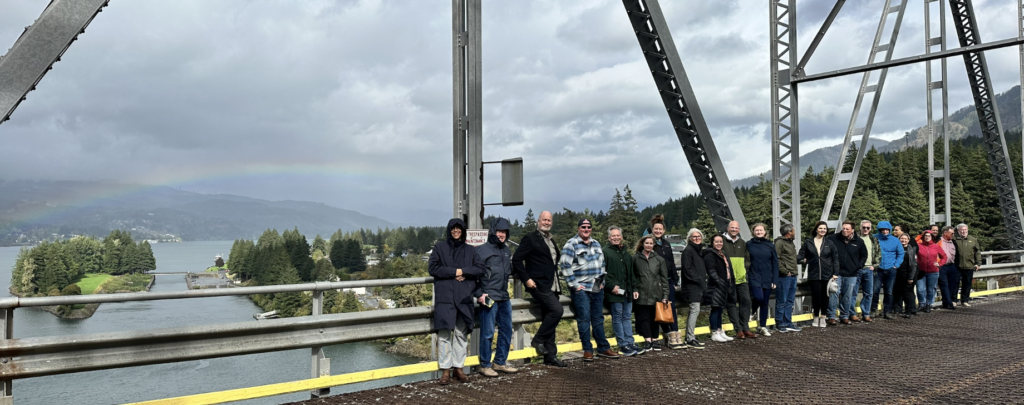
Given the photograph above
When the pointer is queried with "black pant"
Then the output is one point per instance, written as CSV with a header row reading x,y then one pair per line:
x,y
903,293
743,296
645,320
966,279
819,297
551,311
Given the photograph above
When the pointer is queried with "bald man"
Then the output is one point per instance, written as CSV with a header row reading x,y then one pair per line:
x,y
535,263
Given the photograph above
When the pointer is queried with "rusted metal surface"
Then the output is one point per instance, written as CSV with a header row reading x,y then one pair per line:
x,y
970,355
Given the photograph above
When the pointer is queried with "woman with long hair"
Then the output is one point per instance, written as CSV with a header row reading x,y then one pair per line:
x,y
652,287
664,249
819,254
723,296
764,273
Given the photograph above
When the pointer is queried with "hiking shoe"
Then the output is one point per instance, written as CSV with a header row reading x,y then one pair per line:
x,y
505,368
555,363
488,372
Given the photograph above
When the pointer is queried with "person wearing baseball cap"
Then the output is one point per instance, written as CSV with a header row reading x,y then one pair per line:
x,y
582,267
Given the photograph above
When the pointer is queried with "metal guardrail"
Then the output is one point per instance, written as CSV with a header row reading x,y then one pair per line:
x,y
52,355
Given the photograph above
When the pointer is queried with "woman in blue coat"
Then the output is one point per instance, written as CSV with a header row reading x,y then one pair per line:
x,y
763,275
455,268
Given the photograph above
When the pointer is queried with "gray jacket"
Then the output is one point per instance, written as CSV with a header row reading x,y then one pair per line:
x,y
497,260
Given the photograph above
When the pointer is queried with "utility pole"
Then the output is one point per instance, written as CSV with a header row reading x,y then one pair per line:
x,y
467,109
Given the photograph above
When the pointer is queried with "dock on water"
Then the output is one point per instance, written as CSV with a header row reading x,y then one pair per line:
x,y
205,280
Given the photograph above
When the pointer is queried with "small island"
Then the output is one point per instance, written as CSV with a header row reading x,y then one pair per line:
x,y
83,265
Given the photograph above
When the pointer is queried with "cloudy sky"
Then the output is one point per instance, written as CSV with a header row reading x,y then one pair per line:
x,y
349,102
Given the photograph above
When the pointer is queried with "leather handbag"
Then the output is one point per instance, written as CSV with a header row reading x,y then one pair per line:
x,y
662,312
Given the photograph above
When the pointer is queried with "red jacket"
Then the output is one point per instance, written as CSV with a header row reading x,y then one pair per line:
x,y
929,257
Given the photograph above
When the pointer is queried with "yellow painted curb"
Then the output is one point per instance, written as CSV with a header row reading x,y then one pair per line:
x,y
411,369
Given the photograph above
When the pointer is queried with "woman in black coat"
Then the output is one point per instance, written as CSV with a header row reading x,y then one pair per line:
x,y
906,276
455,268
722,286
694,282
820,256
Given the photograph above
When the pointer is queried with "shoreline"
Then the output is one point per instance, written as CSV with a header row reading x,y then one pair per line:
x,y
81,313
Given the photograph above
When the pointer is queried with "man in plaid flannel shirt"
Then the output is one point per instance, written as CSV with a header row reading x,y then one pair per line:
x,y
582,266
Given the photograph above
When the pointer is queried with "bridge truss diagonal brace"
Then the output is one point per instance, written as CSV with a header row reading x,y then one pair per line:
x,y
40,46
666,67
864,131
988,118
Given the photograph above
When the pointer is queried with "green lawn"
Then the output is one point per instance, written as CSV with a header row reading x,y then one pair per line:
x,y
89,283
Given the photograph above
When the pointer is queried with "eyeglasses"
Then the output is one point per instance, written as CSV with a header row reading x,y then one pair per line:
x,y
696,237
585,227
865,227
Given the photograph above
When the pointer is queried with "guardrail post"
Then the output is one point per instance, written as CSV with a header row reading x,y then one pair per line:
x,y
519,337
433,336
992,284
988,259
7,328
321,365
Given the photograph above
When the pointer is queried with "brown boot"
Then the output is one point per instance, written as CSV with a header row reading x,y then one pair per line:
x,y
459,375
445,377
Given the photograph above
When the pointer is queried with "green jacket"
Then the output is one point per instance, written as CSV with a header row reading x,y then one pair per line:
x,y
876,252
787,256
618,265
968,252
739,257
651,278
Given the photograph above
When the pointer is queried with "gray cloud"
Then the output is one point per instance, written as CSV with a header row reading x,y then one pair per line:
x,y
349,102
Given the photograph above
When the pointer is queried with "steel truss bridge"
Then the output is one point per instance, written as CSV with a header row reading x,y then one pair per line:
x,y
44,42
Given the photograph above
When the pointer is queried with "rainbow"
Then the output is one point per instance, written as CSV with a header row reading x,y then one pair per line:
x,y
191,177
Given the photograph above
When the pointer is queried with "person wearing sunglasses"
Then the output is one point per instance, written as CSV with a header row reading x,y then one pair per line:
x,y
582,267
694,281
866,275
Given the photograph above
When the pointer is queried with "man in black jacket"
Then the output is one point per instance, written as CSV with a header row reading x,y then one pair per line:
x,y
534,264
852,255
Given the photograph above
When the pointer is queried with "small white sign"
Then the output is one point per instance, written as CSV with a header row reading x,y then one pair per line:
x,y
476,237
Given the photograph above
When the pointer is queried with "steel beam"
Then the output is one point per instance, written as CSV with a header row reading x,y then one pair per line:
x,y
930,42
854,127
662,58
988,118
40,46
910,60
1020,50
817,38
785,128
467,110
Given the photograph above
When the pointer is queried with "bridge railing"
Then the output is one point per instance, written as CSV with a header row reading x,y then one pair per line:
x,y
52,355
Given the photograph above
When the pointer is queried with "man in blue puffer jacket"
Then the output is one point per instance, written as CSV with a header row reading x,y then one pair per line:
x,y
492,294
885,274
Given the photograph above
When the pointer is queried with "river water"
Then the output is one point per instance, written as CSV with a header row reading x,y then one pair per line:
x,y
187,377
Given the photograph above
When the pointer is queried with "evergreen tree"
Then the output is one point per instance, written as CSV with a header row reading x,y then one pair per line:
x,y
324,271
867,207
705,223
354,255
146,257
338,253
530,222
907,205
298,253
350,303
319,244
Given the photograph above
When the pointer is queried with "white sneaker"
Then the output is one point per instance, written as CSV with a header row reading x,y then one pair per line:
x,y
823,322
727,338
814,322
764,332
717,337
966,305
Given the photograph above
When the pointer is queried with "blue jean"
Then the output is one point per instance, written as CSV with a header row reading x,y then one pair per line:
x,y
949,284
785,296
865,279
502,313
622,322
847,296
716,318
926,289
884,278
589,308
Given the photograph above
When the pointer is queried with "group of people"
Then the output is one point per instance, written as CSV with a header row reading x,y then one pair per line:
x,y
728,274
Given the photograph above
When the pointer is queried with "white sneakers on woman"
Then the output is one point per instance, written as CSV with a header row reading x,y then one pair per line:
x,y
816,322
720,336
764,332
